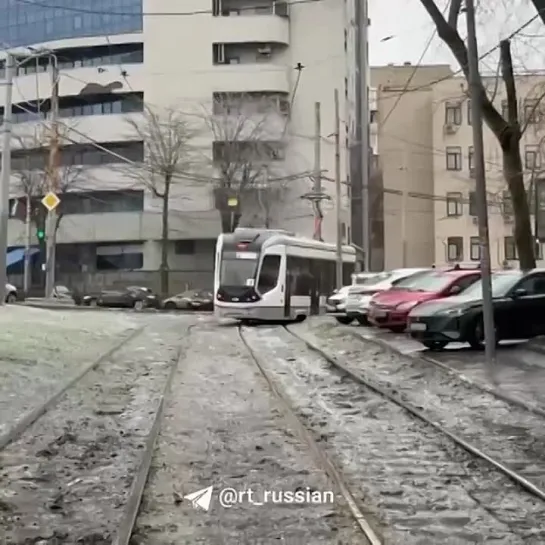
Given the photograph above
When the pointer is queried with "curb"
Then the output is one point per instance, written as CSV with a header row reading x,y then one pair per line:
x,y
85,308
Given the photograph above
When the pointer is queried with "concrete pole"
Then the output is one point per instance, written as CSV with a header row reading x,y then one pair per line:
x,y
53,171
6,173
28,242
480,184
339,269
363,27
317,189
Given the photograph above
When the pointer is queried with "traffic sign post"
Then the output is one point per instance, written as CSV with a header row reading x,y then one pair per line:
x,y
232,203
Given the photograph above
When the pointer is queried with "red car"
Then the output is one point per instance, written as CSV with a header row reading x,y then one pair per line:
x,y
390,309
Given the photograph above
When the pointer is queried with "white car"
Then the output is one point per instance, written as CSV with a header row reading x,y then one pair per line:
x,y
11,293
359,297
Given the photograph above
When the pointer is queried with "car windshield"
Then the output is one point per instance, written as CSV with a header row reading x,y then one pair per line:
x,y
501,284
361,280
380,277
433,282
406,282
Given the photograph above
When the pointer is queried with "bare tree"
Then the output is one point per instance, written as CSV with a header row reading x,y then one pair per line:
x,y
508,131
167,138
246,147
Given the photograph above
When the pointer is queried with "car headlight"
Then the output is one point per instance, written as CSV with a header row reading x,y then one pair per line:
x,y
407,306
453,312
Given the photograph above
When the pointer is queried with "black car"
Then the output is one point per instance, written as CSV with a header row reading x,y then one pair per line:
x,y
519,312
136,297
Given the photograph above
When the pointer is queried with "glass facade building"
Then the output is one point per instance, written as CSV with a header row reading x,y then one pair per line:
x,y
27,22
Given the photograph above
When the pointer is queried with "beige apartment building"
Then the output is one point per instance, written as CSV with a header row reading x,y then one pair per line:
x,y
401,189
455,211
425,187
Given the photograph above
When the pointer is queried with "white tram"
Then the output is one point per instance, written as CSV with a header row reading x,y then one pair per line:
x,y
263,274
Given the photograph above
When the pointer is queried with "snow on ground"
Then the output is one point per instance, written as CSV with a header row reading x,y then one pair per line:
x,y
502,430
40,349
423,488
222,427
67,479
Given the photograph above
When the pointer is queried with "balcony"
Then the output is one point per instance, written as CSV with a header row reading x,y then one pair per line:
x,y
241,22
250,67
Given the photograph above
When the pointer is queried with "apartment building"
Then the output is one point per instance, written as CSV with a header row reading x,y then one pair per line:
x,y
181,57
401,207
454,208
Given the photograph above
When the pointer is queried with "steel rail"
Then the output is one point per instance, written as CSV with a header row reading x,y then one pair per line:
x,y
391,396
317,452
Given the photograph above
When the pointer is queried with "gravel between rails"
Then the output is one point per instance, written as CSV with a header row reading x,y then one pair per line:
x,y
40,348
222,427
422,487
66,480
504,431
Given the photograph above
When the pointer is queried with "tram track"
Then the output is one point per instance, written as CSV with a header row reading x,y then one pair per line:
x,y
483,477
85,454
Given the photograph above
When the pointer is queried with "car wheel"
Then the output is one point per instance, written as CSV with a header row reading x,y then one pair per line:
x,y
435,345
344,320
476,336
300,318
170,305
11,298
397,329
362,320
138,305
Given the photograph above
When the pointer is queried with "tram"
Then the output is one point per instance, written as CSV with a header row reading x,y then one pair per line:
x,y
270,275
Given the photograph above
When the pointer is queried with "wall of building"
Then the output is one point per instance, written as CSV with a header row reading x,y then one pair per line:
x,y
455,135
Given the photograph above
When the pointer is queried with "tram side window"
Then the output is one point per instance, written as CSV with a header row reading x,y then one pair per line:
x,y
268,277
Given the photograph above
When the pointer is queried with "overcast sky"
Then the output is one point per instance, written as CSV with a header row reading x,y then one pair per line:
x,y
411,28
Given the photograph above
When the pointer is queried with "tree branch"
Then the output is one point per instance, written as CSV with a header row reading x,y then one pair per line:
x,y
454,12
506,61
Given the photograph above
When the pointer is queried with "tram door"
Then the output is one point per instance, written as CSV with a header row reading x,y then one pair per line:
x,y
288,290
314,285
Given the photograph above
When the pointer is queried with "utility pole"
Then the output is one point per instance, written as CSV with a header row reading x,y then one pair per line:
x,y
363,73
480,184
404,203
53,175
28,242
6,174
317,189
339,269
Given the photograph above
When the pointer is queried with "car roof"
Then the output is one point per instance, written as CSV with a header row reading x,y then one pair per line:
x,y
459,273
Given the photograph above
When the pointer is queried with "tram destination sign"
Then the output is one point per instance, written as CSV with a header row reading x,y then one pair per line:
x,y
540,209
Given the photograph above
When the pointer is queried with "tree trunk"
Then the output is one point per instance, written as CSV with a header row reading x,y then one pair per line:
x,y
164,268
513,173
230,220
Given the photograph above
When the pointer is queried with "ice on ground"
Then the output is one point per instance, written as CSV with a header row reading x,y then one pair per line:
x,y
39,349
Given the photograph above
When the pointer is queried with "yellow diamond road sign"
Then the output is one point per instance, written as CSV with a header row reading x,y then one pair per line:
x,y
51,201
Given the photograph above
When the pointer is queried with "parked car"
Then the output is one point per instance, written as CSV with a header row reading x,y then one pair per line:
x,y
518,304
390,309
11,294
136,297
359,297
191,300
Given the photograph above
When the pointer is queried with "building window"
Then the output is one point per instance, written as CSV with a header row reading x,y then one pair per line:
x,y
510,249
455,249
454,158
474,249
532,157
454,204
453,114
80,154
100,202
473,203
184,247
469,117
470,158
507,204
532,114
117,258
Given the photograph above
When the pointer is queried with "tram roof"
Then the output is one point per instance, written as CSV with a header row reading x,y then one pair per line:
x,y
263,238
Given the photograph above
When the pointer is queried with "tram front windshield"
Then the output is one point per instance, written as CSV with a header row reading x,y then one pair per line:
x,y
238,272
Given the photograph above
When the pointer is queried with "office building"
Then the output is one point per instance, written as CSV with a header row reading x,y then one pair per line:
x,y
184,57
